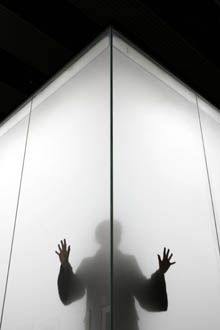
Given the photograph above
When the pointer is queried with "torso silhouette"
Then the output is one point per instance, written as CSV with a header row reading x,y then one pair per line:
x,y
93,277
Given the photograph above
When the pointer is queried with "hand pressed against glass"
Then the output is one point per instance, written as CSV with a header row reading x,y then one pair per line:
x,y
165,263
63,252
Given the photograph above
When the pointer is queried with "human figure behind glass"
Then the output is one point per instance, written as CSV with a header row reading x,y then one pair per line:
x,y
93,278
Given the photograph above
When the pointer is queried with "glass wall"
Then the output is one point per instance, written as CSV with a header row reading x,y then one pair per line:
x,y
210,125
161,199
55,201
65,194
12,147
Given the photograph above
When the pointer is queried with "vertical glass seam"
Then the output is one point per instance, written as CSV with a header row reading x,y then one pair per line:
x,y
16,214
111,180
208,174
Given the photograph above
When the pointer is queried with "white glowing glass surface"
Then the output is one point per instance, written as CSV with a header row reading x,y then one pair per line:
x,y
210,122
65,194
161,195
12,145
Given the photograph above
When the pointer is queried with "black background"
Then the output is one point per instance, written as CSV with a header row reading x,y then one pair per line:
x,y
37,38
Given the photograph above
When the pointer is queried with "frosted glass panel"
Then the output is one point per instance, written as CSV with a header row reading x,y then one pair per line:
x,y
12,145
210,121
65,194
161,199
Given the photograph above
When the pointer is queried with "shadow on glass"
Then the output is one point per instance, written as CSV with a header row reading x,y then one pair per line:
x,y
93,279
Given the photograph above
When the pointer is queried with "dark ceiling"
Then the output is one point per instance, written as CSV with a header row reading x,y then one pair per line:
x,y
37,38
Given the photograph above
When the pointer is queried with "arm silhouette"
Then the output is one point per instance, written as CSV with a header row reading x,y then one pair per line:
x,y
151,293
70,286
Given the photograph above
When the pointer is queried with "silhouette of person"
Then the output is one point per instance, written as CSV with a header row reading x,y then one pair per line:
x,y
93,277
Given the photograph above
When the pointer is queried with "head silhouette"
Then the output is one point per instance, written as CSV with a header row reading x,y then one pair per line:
x,y
103,233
